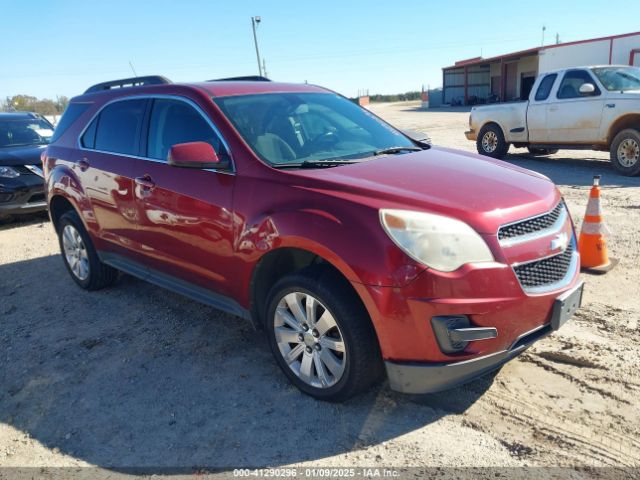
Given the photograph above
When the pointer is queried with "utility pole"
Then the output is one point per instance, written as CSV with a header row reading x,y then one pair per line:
x,y
255,21
544,27
557,38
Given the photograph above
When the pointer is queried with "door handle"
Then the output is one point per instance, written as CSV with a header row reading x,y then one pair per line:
x,y
145,182
610,105
553,109
83,164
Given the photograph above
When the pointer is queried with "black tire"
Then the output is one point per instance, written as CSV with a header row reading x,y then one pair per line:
x,y
99,274
622,158
542,151
362,359
494,145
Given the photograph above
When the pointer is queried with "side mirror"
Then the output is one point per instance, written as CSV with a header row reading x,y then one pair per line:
x,y
418,137
193,155
587,89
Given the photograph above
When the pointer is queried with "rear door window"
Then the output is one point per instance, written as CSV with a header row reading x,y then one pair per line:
x,y
544,89
174,121
119,127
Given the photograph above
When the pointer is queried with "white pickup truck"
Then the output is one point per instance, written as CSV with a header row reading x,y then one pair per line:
x,y
592,108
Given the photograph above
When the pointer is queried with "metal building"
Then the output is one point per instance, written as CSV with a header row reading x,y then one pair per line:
x,y
510,77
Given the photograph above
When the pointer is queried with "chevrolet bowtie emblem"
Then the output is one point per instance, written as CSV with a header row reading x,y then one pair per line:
x,y
560,242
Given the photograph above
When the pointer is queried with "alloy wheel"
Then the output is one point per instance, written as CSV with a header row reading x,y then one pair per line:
x,y
628,152
489,142
75,252
309,340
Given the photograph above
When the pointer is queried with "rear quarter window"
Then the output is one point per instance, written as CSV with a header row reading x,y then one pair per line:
x,y
70,115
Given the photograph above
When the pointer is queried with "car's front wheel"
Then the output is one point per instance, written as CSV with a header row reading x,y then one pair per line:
x,y
625,152
321,335
491,142
79,255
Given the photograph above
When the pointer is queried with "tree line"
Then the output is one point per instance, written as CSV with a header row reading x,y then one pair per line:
x,y
27,103
398,97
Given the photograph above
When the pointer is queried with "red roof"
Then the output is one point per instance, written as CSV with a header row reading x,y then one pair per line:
x,y
215,89
227,88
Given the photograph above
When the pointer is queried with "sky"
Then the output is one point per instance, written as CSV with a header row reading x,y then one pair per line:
x,y
61,47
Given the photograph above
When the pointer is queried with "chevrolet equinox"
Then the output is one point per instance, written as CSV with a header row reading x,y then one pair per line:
x,y
359,249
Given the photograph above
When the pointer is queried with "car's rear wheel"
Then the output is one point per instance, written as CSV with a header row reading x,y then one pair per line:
x,y
79,255
321,335
625,152
491,142
542,151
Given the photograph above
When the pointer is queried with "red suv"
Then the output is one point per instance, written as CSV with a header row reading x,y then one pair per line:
x,y
358,249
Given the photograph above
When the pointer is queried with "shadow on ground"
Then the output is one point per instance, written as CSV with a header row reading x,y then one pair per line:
x,y
134,376
16,221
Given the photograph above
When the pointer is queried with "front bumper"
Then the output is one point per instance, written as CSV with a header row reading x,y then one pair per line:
x,y
471,135
420,378
22,195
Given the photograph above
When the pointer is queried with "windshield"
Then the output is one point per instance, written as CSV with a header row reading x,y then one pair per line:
x,y
619,79
293,128
21,131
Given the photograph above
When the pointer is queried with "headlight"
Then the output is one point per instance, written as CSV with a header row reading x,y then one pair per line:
x,y
441,243
8,172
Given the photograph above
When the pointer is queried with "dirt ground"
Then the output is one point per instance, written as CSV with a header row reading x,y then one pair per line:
x,y
137,376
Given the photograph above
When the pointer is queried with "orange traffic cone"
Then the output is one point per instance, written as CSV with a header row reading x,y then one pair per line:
x,y
592,245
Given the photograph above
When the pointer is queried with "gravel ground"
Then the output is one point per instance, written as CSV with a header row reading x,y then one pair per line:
x,y
137,376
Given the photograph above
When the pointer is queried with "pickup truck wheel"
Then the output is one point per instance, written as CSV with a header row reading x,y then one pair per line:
x,y
491,142
625,152
79,255
542,151
321,336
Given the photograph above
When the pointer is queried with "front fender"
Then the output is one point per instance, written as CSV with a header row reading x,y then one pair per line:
x,y
354,243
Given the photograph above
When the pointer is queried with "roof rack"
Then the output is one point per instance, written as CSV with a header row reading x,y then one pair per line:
x,y
129,82
249,78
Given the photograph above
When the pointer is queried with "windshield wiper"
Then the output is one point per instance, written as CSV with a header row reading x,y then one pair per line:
x,y
390,150
314,164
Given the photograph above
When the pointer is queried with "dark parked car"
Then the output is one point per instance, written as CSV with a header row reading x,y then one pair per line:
x,y
357,249
23,137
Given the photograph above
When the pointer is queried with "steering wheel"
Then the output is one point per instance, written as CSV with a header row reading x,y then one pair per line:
x,y
328,138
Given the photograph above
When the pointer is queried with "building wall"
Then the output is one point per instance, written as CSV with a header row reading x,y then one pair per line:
x,y
622,47
527,65
590,53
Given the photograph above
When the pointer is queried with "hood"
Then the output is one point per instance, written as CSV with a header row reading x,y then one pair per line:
x,y
483,192
26,155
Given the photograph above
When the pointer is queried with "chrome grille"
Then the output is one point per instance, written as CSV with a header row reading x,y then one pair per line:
x,y
531,225
541,273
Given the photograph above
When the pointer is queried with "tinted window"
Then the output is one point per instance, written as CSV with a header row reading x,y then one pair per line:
x,y
119,127
571,83
70,115
544,89
89,137
173,122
